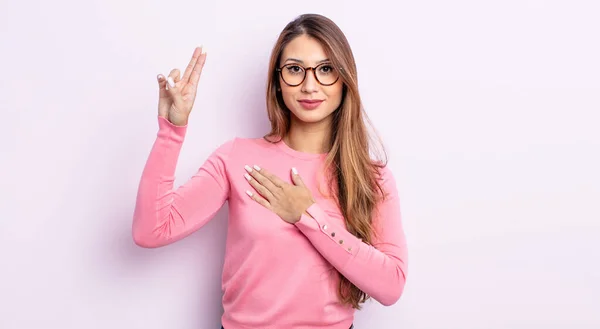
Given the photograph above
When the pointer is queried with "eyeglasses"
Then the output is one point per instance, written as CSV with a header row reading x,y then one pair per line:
x,y
294,75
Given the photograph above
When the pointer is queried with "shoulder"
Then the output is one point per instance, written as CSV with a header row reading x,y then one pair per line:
x,y
246,144
386,178
237,146
384,172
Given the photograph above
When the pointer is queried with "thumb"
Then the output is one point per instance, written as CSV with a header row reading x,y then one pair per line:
x,y
296,177
173,89
171,85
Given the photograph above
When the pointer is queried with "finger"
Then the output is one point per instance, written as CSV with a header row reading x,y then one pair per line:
x,y
190,67
259,199
276,181
258,187
172,80
256,173
296,178
162,83
197,71
175,75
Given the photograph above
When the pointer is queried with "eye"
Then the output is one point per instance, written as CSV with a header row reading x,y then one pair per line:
x,y
326,69
294,69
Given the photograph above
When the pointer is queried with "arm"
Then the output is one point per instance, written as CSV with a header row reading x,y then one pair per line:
x,y
379,270
164,215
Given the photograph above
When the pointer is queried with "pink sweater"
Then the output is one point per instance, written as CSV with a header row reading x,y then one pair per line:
x,y
275,275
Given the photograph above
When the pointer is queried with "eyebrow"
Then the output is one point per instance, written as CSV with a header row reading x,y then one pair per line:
x,y
301,62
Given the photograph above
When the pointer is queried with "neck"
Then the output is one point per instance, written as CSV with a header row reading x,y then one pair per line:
x,y
309,137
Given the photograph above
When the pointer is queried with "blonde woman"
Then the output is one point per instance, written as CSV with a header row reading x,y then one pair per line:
x,y
314,221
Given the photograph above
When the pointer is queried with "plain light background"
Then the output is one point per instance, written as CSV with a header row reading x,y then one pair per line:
x,y
489,111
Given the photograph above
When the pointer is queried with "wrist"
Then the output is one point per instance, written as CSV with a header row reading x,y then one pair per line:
x,y
297,219
305,212
178,121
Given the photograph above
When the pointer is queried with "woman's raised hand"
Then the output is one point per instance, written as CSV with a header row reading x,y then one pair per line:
x,y
177,94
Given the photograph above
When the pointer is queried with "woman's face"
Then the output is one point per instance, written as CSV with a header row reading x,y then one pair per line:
x,y
310,101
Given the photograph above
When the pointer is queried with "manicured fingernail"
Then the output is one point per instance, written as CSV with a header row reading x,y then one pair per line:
x,y
257,167
171,82
160,77
248,177
295,171
249,193
248,169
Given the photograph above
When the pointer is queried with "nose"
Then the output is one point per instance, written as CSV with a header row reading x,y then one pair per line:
x,y
310,83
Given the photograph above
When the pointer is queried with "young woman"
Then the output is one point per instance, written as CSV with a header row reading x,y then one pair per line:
x,y
314,222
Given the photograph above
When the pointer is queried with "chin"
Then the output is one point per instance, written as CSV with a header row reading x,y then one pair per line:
x,y
312,116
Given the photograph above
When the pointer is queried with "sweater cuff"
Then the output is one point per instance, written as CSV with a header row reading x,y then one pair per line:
x,y
168,129
320,224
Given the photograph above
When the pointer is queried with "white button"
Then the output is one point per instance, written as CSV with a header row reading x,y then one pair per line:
x,y
325,227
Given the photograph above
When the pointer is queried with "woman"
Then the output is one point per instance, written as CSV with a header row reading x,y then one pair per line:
x,y
314,223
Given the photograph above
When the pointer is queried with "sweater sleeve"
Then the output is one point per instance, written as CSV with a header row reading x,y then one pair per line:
x,y
164,214
379,269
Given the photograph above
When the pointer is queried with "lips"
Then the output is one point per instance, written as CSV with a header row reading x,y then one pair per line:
x,y
310,104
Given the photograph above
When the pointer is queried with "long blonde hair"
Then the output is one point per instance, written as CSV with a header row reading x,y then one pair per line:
x,y
352,170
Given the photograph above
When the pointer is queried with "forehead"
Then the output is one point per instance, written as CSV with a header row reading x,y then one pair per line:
x,y
304,48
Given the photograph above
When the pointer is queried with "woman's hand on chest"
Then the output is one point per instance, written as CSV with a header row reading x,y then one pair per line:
x,y
286,200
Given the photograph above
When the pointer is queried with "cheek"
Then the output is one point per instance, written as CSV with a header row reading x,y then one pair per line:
x,y
288,94
335,93
287,97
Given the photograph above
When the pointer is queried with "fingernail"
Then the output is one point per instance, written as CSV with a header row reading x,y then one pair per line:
x,y
203,50
248,169
171,82
249,193
248,177
295,171
257,167
160,77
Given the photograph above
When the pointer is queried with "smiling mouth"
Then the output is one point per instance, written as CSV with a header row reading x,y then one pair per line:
x,y
310,104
